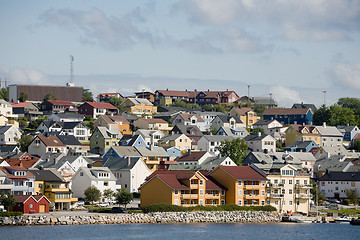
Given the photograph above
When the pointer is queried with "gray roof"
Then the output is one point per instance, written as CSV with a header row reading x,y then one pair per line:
x,y
148,133
4,129
217,138
70,115
209,164
263,122
49,175
126,151
185,129
106,133
333,163
345,128
341,176
226,118
255,137
91,172
153,151
69,140
300,144
116,164
170,137
329,131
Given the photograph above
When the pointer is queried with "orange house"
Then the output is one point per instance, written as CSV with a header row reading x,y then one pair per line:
x,y
115,121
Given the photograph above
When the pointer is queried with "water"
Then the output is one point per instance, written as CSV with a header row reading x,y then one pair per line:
x,y
185,231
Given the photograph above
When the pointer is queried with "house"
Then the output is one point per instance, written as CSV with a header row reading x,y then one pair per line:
x,y
52,185
31,204
212,97
22,160
289,190
185,188
153,124
297,132
134,141
21,178
168,97
95,109
153,156
66,117
302,146
327,151
139,106
209,164
41,145
193,158
55,106
100,177
6,184
334,184
226,121
73,146
245,185
237,133
130,172
180,141
349,132
6,109
120,152
150,96
336,163
261,143
173,152
304,105
269,126
103,138
151,137
9,135
210,143
207,117
105,97
26,110
191,131
330,136
189,119
36,93
115,121
77,129
289,115
246,115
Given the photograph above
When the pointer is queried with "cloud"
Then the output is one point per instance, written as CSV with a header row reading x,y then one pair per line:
x,y
113,33
23,76
285,96
346,74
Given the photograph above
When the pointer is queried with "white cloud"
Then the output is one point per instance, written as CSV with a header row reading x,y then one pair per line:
x,y
345,74
23,76
285,96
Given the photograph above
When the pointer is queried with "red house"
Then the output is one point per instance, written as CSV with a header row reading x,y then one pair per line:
x,y
95,109
31,204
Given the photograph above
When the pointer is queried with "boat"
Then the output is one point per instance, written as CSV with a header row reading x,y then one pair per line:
x,y
355,221
342,219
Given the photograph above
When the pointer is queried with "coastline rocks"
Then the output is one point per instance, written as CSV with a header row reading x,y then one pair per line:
x,y
140,218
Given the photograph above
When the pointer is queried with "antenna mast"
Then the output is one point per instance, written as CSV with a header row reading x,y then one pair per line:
x,y
71,69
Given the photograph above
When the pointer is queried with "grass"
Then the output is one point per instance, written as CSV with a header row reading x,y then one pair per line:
x,y
344,211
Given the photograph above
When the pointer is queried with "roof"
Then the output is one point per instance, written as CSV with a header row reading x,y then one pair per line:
x,y
154,120
115,118
69,140
100,105
242,172
139,101
187,117
300,144
264,122
174,93
243,111
186,129
52,141
193,156
91,172
341,176
304,105
171,137
286,111
27,163
226,118
153,151
256,137
329,131
20,104
107,94
217,138
107,133
56,102
47,175
300,127
126,151
123,163
69,115
4,129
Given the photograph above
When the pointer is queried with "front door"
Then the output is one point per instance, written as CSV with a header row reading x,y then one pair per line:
x,y
42,208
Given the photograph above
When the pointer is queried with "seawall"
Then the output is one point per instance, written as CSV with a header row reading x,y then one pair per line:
x,y
141,218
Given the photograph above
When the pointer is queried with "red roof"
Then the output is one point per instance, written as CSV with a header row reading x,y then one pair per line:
x,y
101,105
56,102
243,111
155,120
107,94
242,173
194,156
25,163
187,116
20,105
299,127
52,141
286,111
174,93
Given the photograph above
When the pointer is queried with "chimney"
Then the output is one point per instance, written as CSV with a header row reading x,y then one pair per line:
x,y
89,165
324,124
189,152
128,161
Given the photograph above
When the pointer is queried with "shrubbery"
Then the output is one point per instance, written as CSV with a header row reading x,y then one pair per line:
x,y
10,214
162,207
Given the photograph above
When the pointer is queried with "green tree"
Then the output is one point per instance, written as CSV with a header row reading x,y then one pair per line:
x,y
352,195
256,131
49,96
24,142
23,122
317,195
356,145
321,115
92,194
259,109
87,96
116,102
108,194
123,197
235,149
341,116
23,96
4,94
351,103
7,200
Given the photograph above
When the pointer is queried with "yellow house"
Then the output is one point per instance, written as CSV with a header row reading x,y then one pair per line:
x,y
297,132
289,191
184,187
245,186
51,184
153,124
180,141
5,121
115,121
139,106
246,115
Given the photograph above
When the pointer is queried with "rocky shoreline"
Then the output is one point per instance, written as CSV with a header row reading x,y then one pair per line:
x,y
141,218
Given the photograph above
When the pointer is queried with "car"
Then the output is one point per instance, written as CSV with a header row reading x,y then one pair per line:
x,y
103,204
333,205
80,203
118,210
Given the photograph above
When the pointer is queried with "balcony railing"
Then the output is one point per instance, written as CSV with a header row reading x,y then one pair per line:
x,y
252,186
194,186
6,186
276,185
304,186
189,196
275,195
212,196
303,196
252,196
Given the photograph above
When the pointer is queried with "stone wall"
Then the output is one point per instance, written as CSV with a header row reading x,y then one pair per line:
x,y
158,217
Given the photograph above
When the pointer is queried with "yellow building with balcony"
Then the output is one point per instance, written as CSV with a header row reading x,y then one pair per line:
x,y
139,106
184,188
245,186
51,184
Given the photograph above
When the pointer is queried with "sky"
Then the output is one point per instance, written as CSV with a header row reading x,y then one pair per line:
x,y
297,51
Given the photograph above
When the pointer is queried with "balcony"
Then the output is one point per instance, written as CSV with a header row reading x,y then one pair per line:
x,y
275,195
251,186
6,186
276,185
252,196
303,196
305,186
189,196
212,196
194,186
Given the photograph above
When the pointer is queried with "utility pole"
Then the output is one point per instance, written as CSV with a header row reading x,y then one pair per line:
x,y
248,94
270,94
324,91
71,69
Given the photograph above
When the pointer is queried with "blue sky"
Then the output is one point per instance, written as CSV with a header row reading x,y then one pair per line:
x,y
292,49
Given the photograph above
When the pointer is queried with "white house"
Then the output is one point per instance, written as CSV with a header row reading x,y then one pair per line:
x,y
151,137
210,143
334,184
66,117
99,177
6,109
207,117
190,119
330,136
130,172
269,126
41,145
9,135
261,143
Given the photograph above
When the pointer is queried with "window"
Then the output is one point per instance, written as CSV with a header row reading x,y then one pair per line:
x,y
106,184
176,192
239,202
290,181
262,202
276,202
290,191
262,192
81,174
239,192
290,203
222,193
239,183
201,182
222,201
201,202
201,192
176,202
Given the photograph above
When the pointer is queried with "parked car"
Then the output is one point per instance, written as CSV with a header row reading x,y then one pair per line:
x,y
118,210
103,204
333,205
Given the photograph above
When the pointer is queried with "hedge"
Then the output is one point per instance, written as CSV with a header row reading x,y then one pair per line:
x,y
10,214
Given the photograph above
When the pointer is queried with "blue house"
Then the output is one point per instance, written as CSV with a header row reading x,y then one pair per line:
x,y
174,152
301,146
289,115
349,132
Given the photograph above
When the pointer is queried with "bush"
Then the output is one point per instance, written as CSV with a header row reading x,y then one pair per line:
x,y
10,214
162,207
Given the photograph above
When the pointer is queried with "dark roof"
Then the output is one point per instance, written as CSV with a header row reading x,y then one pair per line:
x,y
304,105
226,118
285,111
48,175
186,129
300,144
4,129
69,140
193,156
243,172
254,137
341,176
69,125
